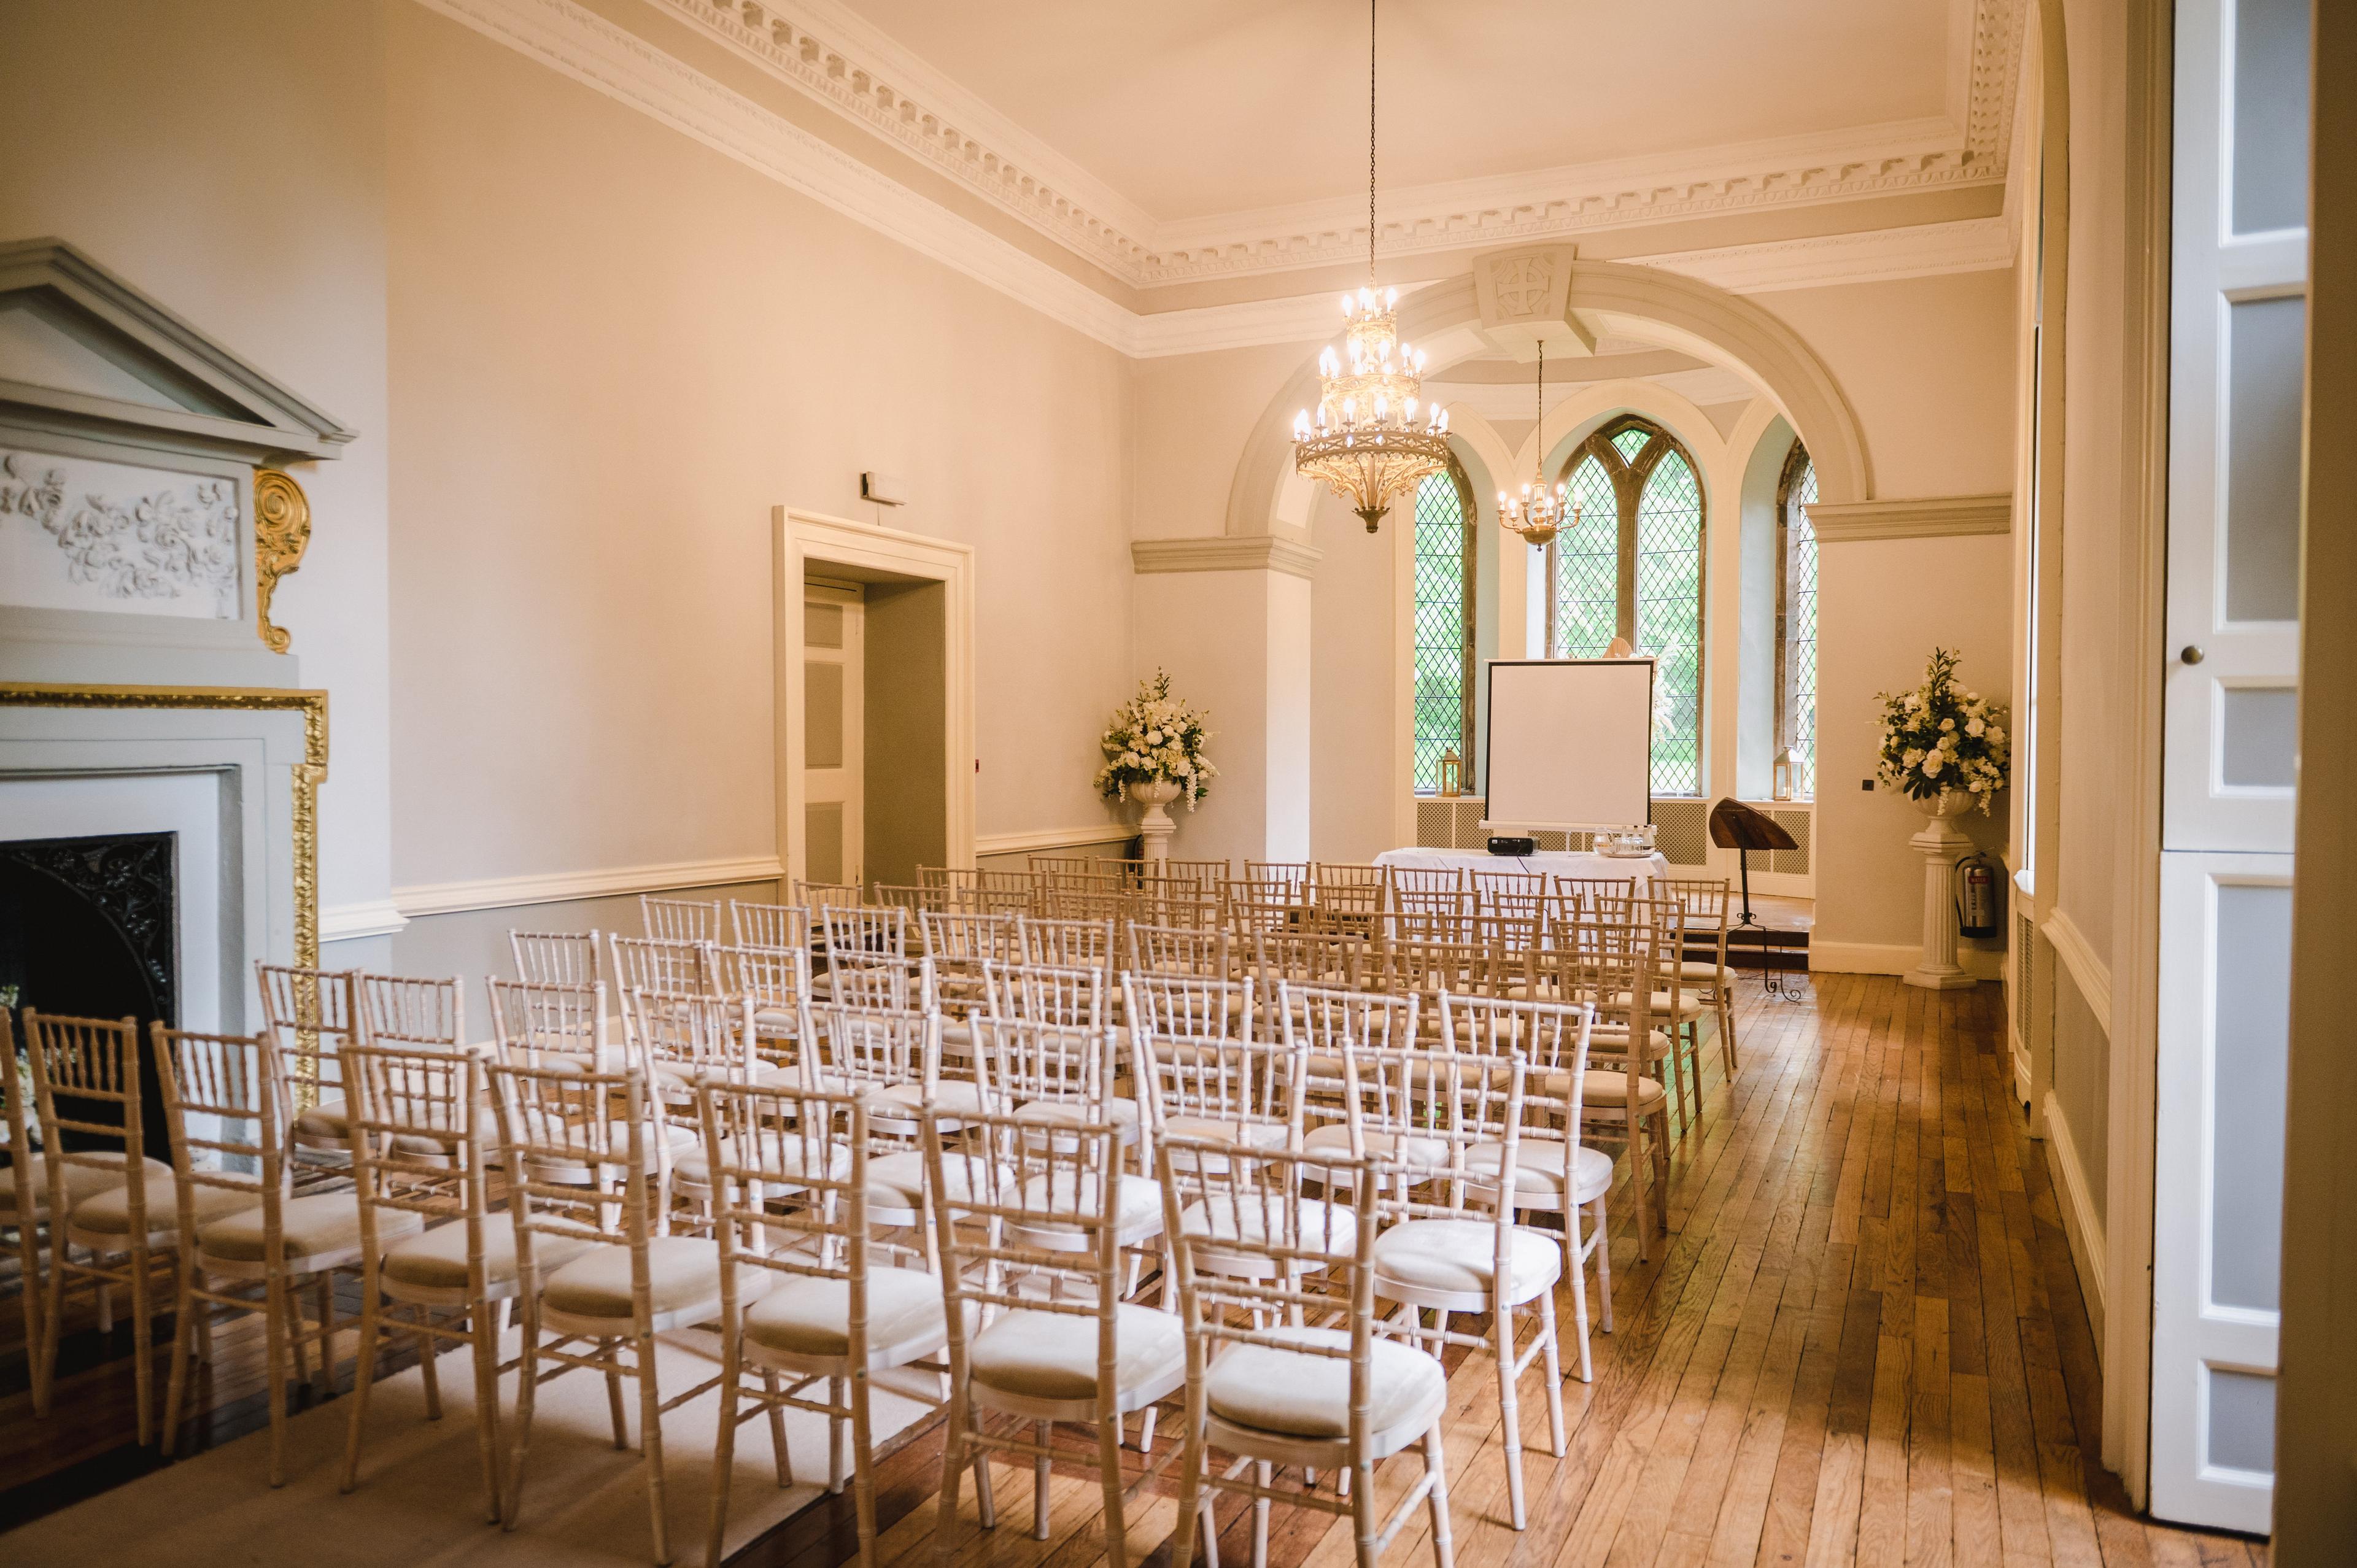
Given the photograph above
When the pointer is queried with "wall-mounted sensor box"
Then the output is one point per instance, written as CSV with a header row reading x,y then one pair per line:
x,y
885,489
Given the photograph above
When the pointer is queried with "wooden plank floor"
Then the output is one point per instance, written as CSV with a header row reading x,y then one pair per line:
x,y
1862,1342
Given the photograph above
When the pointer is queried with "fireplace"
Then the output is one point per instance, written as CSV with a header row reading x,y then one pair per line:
x,y
89,926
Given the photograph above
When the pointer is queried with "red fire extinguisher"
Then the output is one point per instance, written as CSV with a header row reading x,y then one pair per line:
x,y
1976,911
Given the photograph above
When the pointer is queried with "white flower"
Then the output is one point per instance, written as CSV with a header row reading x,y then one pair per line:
x,y
1996,734
1933,764
1947,723
1976,727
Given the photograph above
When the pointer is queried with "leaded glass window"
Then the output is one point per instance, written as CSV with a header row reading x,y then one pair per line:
x,y
1796,621
1632,567
1444,523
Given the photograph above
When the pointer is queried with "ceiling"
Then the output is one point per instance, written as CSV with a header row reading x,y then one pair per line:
x,y
1225,106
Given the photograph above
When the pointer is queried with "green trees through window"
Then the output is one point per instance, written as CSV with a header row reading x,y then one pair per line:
x,y
1796,621
1445,522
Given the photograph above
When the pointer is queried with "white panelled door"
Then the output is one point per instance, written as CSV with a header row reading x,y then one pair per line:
x,y
834,635
2238,321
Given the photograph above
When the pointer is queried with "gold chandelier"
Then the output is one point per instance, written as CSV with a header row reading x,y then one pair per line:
x,y
1538,514
1366,443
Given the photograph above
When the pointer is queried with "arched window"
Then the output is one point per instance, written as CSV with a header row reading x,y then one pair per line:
x,y
1445,533
1796,621
1633,568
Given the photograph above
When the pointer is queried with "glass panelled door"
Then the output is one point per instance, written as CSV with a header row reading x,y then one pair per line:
x,y
2238,323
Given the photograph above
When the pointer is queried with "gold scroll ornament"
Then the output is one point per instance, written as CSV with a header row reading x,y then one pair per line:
x,y
282,531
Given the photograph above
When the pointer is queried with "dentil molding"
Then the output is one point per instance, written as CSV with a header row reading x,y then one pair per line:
x,y
616,62
1224,552
825,51
1925,517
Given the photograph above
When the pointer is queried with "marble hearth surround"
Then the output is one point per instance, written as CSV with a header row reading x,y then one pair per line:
x,y
146,517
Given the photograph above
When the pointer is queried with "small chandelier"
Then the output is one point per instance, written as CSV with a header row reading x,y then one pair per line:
x,y
1366,443
1538,514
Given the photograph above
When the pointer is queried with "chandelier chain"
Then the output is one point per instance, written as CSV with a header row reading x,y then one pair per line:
x,y
1371,143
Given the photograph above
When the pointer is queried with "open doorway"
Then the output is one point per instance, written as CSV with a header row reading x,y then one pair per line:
x,y
876,758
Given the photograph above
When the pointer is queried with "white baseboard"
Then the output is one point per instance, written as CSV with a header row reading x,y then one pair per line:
x,y
509,892
1896,957
1051,838
342,922
2020,1069
2080,1221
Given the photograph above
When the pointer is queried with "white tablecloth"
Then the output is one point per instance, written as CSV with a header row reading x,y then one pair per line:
x,y
1555,863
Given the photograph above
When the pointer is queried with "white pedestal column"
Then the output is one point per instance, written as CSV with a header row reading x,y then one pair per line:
x,y
1155,827
1943,844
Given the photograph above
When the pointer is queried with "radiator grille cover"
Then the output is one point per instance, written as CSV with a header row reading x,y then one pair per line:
x,y
1793,861
1681,832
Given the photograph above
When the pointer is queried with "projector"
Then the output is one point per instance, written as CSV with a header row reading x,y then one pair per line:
x,y
1507,844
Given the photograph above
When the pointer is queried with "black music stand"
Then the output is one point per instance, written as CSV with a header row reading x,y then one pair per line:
x,y
1741,828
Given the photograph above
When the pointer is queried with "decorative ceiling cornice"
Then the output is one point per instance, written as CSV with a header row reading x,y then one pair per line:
x,y
834,56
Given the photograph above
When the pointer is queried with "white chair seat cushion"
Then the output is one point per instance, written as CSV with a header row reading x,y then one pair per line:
x,y
684,1140
1606,1089
1212,1130
776,1021
437,1259
1704,971
1460,1255
329,1119
950,1096
1539,1169
897,1181
682,1271
1053,1355
1300,1395
1334,1139
1322,1227
1688,1005
812,1316
108,1213
81,1181
321,1223
1136,1201
788,1157
1122,1113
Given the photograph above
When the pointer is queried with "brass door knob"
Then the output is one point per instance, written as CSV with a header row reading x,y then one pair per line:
x,y
2192,654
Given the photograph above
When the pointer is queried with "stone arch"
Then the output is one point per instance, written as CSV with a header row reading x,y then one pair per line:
x,y
1445,321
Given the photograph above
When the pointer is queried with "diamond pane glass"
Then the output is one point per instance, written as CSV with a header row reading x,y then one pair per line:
x,y
1801,635
1630,441
1588,568
1443,628
1668,619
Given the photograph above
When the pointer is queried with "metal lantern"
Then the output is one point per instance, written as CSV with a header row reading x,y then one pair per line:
x,y
1452,775
1784,785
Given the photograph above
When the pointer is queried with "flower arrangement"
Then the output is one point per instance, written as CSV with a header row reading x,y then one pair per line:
x,y
1940,736
1156,739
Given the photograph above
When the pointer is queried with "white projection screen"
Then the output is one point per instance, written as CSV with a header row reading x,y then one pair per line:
x,y
1571,743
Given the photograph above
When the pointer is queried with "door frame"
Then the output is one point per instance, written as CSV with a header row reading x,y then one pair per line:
x,y
804,542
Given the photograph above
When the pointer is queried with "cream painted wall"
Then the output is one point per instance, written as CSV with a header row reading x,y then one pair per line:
x,y
615,351
1354,723
1192,415
228,160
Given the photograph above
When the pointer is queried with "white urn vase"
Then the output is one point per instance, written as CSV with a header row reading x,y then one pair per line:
x,y
1155,825
1942,843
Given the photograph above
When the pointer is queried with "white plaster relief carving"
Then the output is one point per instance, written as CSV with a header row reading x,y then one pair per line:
x,y
873,87
115,535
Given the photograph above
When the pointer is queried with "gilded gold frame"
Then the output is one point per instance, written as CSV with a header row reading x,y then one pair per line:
x,y
309,773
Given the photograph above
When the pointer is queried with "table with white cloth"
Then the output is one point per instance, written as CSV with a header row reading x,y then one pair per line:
x,y
1555,863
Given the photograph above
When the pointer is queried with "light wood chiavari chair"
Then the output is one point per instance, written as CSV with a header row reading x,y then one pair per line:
x,y
857,931
1045,1265
1676,1008
1207,953
1555,1174
960,944
1199,1071
806,1291
891,1060
880,980
680,919
1606,964
1206,875
1055,1075
1286,1365
226,1107
629,1281
642,964
553,1025
1048,994
314,1013
1176,901
1523,884
555,958
769,925
1702,961
438,1264
1277,881
1323,1025
1349,897
915,898
86,1095
1436,1254
777,982
1004,893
